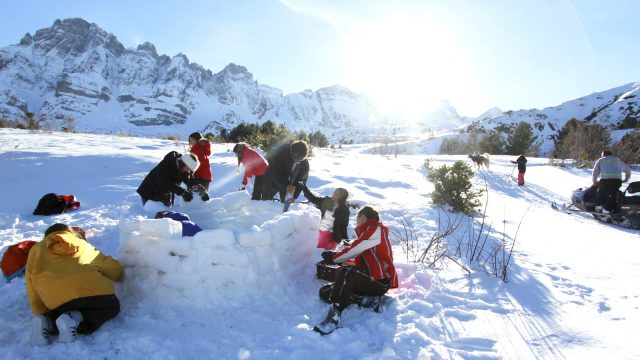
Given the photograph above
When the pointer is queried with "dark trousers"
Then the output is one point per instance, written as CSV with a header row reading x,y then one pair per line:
x,y
257,187
269,190
608,193
95,310
352,281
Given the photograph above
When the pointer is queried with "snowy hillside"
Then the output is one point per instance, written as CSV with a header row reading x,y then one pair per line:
x,y
570,294
617,109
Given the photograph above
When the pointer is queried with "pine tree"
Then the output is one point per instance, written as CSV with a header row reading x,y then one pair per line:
x,y
520,140
492,143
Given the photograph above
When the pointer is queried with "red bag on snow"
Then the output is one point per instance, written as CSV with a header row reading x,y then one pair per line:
x,y
15,258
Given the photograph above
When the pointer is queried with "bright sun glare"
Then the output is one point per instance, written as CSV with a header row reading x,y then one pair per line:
x,y
406,65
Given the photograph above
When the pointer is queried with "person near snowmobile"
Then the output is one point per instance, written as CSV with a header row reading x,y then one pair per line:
x,y
372,275
609,168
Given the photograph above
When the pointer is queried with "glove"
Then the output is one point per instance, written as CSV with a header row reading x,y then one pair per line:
x,y
187,196
205,197
327,256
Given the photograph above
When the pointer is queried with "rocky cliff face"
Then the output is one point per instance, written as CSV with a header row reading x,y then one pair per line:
x,y
75,70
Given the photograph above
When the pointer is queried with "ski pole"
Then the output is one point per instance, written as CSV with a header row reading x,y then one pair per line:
x,y
512,170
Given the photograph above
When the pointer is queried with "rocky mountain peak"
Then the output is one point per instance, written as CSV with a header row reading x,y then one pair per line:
x,y
75,36
236,72
26,40
149,48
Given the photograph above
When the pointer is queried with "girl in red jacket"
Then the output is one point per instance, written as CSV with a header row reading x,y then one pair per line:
x,y
372,275
254,165
201,148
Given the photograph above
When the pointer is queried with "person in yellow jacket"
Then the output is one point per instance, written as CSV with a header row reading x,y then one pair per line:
x,y
69,283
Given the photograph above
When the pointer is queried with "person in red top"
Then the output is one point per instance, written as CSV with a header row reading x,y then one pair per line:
x,y
254,165
372,274
201,148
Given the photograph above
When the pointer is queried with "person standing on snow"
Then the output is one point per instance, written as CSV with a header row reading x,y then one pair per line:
x,y
609,168
201,148
334,217
254,165
522,168
69,285
288,170
163,181
372,274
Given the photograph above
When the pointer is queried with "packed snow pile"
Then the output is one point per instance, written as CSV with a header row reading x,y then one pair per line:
x,y
247,249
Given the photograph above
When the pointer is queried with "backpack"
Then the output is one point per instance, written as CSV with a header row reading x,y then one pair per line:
x,y
14,259
52,203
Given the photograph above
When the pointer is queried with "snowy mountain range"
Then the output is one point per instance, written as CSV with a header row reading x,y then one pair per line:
x,y
75,70
616,109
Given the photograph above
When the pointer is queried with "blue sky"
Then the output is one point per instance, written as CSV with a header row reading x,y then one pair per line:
x,y
406,54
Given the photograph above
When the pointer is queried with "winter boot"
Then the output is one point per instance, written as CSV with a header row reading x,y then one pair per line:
x,y
330,323
41,329
372,302
67,324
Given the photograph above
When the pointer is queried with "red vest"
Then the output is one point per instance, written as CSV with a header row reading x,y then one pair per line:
x,y
372,249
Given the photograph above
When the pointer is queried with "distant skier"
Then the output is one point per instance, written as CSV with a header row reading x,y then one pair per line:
x,y
163,181
334,217
201,148
522,168
609,168
254,166
372,272
288,171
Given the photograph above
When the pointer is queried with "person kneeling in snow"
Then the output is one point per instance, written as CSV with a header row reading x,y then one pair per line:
x,y
372,275
189,228
69,284
163,181
334,217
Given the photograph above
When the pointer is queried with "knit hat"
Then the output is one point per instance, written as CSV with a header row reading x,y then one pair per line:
x,y
191,161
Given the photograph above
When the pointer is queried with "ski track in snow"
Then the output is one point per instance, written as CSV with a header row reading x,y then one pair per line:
x,y
566,297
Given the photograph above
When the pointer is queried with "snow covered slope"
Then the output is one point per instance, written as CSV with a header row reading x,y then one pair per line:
x,y
617,109
570,294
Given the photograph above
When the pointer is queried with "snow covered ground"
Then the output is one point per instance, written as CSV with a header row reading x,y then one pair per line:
x,y
572,291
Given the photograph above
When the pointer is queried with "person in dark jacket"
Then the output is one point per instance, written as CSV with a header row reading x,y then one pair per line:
x,y
334,217
189,228
287,172
522,168
163,181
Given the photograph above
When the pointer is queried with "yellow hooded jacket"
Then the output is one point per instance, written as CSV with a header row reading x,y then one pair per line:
x,y
63,267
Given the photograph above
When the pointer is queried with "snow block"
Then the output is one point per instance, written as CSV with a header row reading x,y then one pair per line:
x,y
160,228
236,200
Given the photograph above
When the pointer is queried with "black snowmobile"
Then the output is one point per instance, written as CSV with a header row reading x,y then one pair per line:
x,y
626,214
